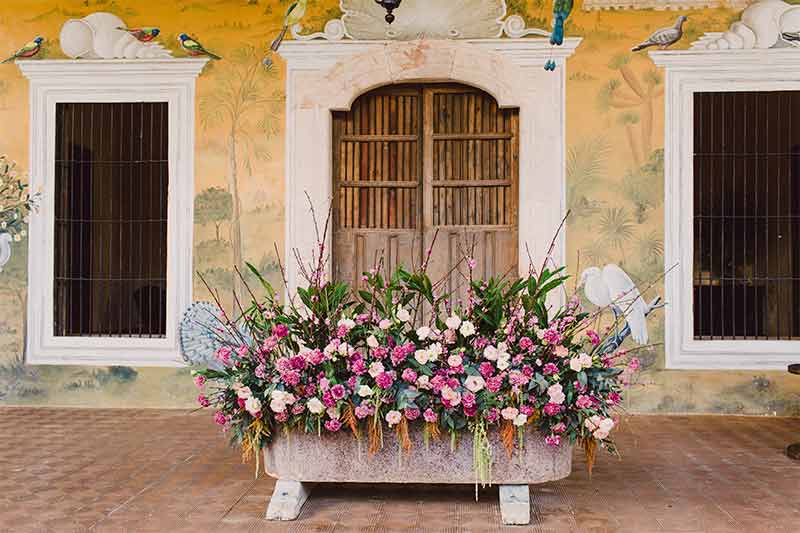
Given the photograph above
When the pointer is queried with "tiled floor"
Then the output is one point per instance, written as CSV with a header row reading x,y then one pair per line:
x,y
165,471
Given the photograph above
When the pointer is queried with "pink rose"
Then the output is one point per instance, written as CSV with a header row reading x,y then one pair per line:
x,y
411,413
220,418
549,369
430,415
199,381
333,425
553,440
385,380
552,409
203,401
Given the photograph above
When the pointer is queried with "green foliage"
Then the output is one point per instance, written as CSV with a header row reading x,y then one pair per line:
x,y
616,227
644,186
586,167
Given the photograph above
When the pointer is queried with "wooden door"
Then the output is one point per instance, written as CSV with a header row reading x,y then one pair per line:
x,y
414,161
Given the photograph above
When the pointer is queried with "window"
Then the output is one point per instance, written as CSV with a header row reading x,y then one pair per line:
x,y
110,268
411,162
732,208
747,215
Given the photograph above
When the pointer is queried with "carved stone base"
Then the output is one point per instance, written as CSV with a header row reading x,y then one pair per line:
x,y
515,505
287,500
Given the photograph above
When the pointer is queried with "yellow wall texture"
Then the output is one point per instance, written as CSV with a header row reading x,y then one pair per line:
x,y
615,117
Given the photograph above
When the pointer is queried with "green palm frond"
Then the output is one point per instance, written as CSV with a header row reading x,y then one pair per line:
x,y
616,227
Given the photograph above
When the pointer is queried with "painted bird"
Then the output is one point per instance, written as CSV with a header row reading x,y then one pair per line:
x,y
5,249
294,14
665,37
145,35
561,10
613,287
29,50
194,48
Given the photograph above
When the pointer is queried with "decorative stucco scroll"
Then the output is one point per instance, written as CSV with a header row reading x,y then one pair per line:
x,y
432,19
764,24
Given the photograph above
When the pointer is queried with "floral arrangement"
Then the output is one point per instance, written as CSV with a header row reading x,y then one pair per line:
x,y
15,202
395,351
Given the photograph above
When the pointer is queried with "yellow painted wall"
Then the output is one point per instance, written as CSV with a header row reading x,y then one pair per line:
x,y
614,134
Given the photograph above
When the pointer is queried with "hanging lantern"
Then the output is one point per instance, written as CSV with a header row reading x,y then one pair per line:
x,y
389,6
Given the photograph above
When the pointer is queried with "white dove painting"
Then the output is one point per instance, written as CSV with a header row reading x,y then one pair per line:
x,y
5,249
613,287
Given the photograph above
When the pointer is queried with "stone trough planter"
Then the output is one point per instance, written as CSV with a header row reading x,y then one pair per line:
x,y
299,459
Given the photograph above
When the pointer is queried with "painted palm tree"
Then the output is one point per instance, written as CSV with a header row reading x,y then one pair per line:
x,y
644,186
586,166
616,228
237,103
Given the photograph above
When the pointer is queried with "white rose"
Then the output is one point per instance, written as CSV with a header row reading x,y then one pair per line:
x,y
347,323
585,360
474,383
575,364
423,332
451,396
467,329
520,420
490,353
454,360
364,391
403,315
434,351
315,406
503,363
372,341
556,393
376,369
422,356
276,405
385,324
423,382
453,322
253,405
243,392
344,349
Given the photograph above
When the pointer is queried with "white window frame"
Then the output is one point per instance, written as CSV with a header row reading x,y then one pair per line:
x,y
688,72
64,81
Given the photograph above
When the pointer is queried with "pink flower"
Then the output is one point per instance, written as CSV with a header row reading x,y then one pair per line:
x,y
393,417
430,415
613,398
583,402
333,425
409,375
281,417
298,362
291,378
553,440
199,381
380,352
358,367
551,336
486,369
338,391
341,331
385,380
261,371
280,330
492,414
468,399
220,418
411,413
203,401
559,428
525,343
470,410
328,399
363,411
561,351
298,408
594,338
494,383
634,364
223,355
270,343
549,369
517,378
552,409
242,351
526,410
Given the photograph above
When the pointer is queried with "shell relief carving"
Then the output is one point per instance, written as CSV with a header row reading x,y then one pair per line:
x,y
431,19
103,36
764,24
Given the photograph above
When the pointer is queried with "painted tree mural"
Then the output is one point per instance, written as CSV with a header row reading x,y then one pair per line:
x,y
214,205
241,104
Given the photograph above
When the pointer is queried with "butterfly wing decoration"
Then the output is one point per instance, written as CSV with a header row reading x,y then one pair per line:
x,y
203,332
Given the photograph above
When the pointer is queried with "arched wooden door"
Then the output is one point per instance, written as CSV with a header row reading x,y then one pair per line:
x,y
414,161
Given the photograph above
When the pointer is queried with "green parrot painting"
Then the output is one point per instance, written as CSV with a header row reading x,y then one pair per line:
x,y
144,35
294,14
194,48
561,10
29,50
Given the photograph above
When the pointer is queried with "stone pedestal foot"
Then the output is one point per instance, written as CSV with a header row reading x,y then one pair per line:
x,y
287,500
515,505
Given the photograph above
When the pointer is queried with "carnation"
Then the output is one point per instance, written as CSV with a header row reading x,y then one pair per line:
x,y
333,425
203,401
338,391
385,380
409,375
552,409
430,415
220,418
199,381
411,413
393,417
553,440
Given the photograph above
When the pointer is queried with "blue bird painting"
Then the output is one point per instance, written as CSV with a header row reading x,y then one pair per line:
x,y
29,50
561,10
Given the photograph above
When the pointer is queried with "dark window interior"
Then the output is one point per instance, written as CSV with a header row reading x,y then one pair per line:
x,y
111,177
747,215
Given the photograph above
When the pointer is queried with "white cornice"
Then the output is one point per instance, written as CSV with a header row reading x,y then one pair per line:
x,y
752,59
324,54
47,69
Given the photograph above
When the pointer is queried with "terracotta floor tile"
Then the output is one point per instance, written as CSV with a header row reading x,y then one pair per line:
x,y
171,471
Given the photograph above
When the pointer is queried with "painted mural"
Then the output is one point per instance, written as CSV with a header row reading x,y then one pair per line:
x,y
614,178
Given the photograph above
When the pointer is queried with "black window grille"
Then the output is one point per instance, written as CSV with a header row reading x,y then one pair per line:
x,y
111,179
747,215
